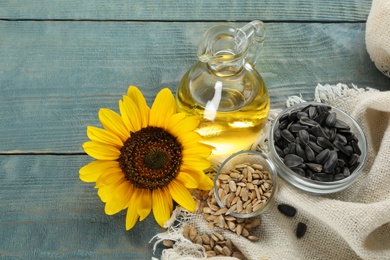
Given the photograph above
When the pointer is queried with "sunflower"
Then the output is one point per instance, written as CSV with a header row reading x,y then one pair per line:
x,y
146,158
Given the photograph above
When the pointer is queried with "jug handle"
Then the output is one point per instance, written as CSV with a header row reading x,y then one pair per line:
x,y
254,33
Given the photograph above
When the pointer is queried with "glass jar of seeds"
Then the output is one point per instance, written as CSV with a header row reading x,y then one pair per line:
x,y
246,184
317,148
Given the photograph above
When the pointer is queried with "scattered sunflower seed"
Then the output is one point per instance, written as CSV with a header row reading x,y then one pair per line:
x,y
214,244
287,210
301,230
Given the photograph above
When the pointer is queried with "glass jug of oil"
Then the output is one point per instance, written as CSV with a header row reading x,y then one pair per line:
x,y
224,89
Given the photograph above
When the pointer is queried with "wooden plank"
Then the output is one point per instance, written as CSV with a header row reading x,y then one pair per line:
x,y
47,212
223,10
54,76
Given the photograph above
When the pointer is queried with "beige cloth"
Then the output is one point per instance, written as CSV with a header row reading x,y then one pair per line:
x,y
378,35
351,224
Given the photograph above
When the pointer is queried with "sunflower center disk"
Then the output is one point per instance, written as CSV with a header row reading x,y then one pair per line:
x,y
156,159
151,158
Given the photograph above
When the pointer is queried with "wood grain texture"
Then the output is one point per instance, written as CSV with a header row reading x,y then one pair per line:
x,y
48,213
222,10
54,76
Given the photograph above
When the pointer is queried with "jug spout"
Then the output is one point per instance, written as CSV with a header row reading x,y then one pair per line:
x,y
254,34
225,48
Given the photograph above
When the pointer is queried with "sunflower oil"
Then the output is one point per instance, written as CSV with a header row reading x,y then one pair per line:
x,y
232,110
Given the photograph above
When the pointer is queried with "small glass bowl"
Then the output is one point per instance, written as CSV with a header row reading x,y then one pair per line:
x,y
314,186
251,157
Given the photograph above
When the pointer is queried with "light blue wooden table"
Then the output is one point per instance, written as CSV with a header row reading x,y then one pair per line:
x,y
60,61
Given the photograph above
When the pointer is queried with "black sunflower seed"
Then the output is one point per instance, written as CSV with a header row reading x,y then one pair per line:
x,y
331,132
292,148
300,151
318,131
306,109
299,171
355,147
341,138
304,136
293,116
340,163
287,135
312,112
342,148
283,124
331,163
325,143
320,119
341,125
304,120
287,210
301,230
277,134
292,160
284,117
346,172
352,168
279,151
353,159
315,167
324,108
315,147
331,119
302,114
295,128
323,156
310,155
338,177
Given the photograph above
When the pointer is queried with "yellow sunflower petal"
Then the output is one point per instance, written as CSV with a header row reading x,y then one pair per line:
x,y
182,195
91,171
186,125
162,205
119,198
202,150
206,183
189,139
105,191
188,181
197,174
175,120
164,106
103,136
125,116
197,162
101,151
132,215
109,177
136,95
130,114
145,204
113,122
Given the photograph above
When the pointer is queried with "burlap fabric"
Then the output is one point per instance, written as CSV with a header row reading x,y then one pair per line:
x,y
378,35
351,224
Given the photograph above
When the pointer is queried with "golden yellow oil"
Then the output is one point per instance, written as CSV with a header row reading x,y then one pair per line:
x,y
241,114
